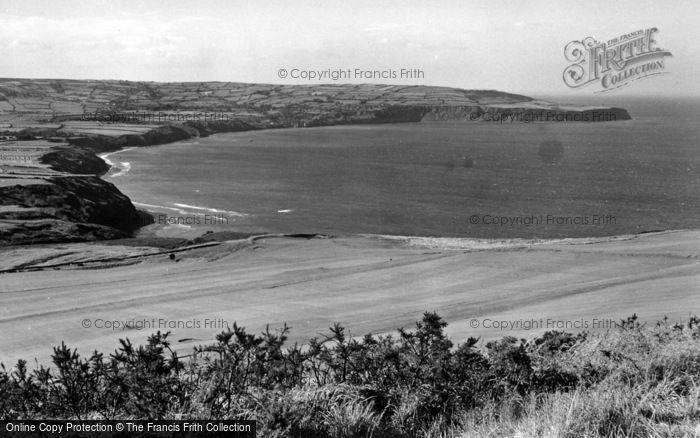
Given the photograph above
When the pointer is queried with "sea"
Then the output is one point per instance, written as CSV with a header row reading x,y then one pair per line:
x,y
438,179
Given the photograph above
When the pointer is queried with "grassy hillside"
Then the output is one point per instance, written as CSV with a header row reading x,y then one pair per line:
x,y
58,96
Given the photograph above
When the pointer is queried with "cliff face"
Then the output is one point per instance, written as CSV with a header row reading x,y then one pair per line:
x,y
57,195
525,114
309,116
66,209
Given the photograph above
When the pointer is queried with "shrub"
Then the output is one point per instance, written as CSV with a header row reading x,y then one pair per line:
x,y
632,381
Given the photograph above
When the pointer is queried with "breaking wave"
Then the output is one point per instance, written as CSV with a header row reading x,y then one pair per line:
x,y
186,209
119,168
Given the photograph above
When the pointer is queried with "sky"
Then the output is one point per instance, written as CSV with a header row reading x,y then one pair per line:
x,y
515,46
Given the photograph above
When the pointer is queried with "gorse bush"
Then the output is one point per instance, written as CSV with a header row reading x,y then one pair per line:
x,y
631,381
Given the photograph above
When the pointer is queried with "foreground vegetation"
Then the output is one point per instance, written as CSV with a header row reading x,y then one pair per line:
x,y
634,381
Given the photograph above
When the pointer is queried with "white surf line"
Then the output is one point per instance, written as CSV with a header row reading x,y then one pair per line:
x,y
106,156
288,210
466,243
212,210
461,243
123,166
182,209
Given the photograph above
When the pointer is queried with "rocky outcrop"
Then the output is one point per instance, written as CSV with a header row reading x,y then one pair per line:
x,y
77,160
85,199
66,209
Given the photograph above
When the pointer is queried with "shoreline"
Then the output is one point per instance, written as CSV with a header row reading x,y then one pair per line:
x,y
121,170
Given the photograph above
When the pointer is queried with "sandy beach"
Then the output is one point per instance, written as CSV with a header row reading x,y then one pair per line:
x,y
90,295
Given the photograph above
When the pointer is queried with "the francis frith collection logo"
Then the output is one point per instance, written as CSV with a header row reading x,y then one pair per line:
x,y
614,63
